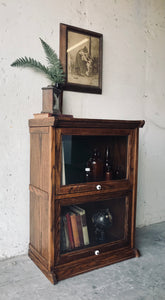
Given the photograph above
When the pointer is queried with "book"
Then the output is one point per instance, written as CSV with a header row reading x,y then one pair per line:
x,y
70,232
74,229
63,237
66,233
79,225
82,214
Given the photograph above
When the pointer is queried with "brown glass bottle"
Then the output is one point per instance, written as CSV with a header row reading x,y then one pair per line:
x,y
108,165
96,166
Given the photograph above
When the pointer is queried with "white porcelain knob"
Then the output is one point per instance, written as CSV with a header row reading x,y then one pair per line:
x,y
98,187
97,252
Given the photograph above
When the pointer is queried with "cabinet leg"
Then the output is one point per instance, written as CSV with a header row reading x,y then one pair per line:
x,y
137,253
51,275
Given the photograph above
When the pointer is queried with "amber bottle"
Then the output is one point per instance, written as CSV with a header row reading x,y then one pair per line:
x,y
96,166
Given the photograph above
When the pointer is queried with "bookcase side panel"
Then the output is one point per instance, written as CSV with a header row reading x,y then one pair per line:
x,y
39,223
134,170
42,185
39,158
132,176
51,208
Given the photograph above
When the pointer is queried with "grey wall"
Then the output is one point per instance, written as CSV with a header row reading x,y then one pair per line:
x,y
133,88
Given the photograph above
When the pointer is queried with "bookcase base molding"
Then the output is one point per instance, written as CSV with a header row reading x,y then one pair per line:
x,y
71,269
83,184
40,263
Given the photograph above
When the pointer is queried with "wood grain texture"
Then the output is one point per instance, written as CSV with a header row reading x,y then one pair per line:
x,y
35,257
39,221
87,264
48,197
39,159
63,46
51,207
133,179
97,123
67,122
42,186
112,185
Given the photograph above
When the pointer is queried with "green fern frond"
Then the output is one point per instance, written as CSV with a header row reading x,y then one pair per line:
x,y
57,73
54,71
55,66
50,53
30,63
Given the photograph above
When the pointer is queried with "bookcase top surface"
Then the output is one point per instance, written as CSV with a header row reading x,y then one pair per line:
x,y
70,122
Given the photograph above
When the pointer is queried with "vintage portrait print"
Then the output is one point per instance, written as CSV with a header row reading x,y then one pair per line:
x,y
83,59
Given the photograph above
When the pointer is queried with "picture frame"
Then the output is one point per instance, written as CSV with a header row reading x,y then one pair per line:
x,y
81,53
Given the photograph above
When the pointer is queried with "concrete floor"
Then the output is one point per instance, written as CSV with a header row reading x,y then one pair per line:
x,y
137,278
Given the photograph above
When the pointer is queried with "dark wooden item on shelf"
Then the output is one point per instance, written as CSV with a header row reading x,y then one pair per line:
x,y
52,100
53,191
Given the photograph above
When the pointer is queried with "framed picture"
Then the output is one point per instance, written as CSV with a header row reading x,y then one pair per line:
x,y
81,58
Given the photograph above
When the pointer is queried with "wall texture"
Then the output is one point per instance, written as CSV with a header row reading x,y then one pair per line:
x,y
133,88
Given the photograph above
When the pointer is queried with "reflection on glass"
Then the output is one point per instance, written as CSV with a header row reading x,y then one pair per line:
x,y
93,158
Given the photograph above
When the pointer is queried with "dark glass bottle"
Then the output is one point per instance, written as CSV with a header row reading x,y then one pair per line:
x,y
96,166
88,171
108,166
118,173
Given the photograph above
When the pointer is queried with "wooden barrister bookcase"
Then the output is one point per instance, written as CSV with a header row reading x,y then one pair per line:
x,y
60,149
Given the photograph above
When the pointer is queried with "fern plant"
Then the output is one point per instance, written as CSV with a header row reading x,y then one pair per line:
x,y
54,71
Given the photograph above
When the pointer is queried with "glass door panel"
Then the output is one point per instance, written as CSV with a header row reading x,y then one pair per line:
x,y
94,223
93,158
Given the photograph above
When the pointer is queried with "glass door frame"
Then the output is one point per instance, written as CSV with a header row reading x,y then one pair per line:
x,y
92,186
61,258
